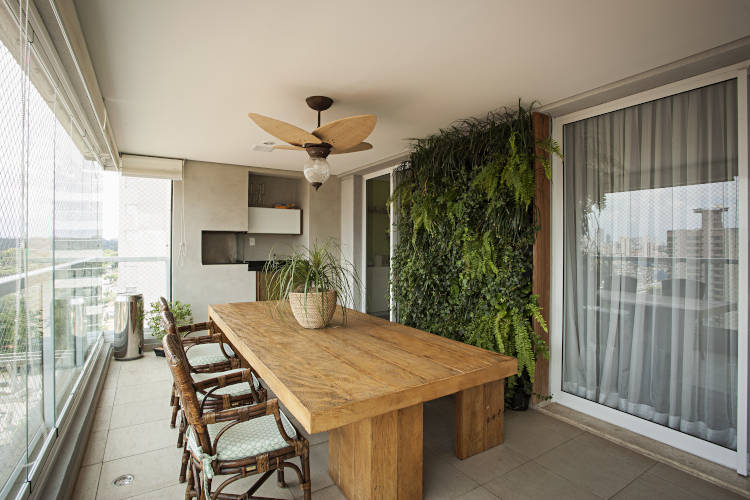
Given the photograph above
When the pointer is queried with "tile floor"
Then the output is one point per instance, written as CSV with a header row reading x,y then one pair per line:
x,y
542,457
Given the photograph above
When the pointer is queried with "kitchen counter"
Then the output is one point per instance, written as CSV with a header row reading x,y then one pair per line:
x,y
257,265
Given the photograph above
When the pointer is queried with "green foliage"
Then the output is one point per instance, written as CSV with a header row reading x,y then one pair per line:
x,y
183,315
516,337
16,330
462,258
312,269
8,264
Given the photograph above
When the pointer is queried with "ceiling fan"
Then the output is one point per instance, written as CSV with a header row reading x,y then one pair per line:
x,y
337,137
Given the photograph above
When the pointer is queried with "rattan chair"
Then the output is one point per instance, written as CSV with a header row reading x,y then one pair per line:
x,y
210,358
225,390
239,442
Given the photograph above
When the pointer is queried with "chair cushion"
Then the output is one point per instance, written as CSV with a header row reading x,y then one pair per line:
x,y
204,354
232,390
246,439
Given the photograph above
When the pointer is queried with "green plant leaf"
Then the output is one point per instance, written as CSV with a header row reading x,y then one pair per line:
x,y
464,233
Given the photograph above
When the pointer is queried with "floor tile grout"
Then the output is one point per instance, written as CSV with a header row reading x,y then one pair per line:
x,y
98,480
634,479
152,491
574,483
507,472
136,454
438,454
553,448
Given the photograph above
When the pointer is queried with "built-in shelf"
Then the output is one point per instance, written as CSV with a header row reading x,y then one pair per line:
x,y
261,220
222,247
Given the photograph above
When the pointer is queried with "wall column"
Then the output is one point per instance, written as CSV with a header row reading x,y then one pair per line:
x,y
540,283
351,228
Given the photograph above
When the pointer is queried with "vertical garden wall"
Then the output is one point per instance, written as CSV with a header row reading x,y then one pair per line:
x,y
465,229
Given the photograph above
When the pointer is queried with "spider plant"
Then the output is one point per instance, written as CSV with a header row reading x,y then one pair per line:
x,y
312,271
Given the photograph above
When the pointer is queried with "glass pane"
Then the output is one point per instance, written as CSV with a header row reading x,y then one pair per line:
x,y
651,261
78,267
40,171
50,268
378,191
13,340
137,231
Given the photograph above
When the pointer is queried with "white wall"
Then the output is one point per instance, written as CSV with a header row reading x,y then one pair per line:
x,y
351,227
215,198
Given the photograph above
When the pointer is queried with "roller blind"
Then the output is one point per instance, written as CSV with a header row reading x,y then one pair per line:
x,y
153,167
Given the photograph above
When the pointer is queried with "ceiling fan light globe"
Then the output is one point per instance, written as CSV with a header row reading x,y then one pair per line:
x,y
317,171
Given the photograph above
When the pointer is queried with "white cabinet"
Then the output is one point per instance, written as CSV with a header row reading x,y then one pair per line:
x,y
274,220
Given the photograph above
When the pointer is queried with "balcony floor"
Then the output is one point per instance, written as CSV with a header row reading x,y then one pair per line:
x,y
542,457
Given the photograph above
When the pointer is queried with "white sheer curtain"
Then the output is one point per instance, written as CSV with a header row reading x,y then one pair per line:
x,y
650,298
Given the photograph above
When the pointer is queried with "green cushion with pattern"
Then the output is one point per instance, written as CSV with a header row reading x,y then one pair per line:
x,y
206,354
246,439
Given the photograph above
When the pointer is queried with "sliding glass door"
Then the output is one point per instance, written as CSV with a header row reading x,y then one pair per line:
x,y
377,224
650,272
378,245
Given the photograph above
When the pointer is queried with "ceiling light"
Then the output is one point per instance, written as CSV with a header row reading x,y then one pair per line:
x,y
316,166
317,171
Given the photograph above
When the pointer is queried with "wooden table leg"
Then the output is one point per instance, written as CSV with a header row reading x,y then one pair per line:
x,y
479,418
379,457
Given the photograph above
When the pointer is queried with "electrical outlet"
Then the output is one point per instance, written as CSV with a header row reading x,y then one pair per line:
x,y
251,242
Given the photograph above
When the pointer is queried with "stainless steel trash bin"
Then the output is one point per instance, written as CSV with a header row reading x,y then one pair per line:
x,y
128,338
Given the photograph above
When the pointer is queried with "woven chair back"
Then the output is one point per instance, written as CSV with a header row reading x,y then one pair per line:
x,y
178,364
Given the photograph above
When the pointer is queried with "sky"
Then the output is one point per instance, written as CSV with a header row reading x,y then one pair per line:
x,y
653,212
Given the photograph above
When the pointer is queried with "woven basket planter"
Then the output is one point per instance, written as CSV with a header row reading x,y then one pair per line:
x,y
313,309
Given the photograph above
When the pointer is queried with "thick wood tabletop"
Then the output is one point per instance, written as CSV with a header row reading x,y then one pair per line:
x,y
347,372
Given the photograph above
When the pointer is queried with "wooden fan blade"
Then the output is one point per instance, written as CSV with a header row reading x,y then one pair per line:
x,y
289,147
362,146
283,130
347,132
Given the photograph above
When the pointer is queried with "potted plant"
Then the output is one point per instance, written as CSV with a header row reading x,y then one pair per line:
x,y
313,280
183,315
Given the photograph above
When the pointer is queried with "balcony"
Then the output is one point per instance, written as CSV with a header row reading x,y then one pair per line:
x,y
541,293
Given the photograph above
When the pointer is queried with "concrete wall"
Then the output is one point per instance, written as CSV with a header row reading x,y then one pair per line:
x,y
215,198
324,212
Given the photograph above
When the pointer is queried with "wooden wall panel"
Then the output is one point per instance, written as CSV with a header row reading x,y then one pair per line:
x,y
541,259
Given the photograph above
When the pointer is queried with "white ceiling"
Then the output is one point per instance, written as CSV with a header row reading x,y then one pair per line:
x,y
180,76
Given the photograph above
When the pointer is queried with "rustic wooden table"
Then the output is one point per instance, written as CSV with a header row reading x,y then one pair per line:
x,y
365,382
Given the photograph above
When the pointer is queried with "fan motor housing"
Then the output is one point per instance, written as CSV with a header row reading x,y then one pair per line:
x,y
318,150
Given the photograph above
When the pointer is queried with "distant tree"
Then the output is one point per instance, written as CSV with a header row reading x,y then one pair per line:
x,y
8,262
14,337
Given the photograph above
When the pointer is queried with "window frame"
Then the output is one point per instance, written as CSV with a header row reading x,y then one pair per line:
x,y
389,171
